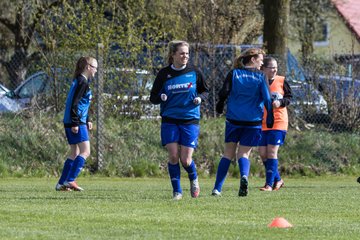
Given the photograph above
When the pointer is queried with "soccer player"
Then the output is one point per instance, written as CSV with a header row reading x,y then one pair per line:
x,y
246,90
273,138
77,123
180,89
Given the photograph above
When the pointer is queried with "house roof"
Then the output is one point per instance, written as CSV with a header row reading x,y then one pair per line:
x,y
349,10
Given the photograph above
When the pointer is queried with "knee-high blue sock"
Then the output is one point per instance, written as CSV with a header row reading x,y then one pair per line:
x,y
66,169
244,166
265,165
221,173
277,174
272,165
76,168
174,172
191,170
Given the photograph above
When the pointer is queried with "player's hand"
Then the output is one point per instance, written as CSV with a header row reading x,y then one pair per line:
x,y
75,129
163,97
89,125
197,100
276,104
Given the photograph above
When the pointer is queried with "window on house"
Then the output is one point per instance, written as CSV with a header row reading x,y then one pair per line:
x,y
321,34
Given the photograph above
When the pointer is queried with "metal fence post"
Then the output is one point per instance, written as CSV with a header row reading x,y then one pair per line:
x,y
99,107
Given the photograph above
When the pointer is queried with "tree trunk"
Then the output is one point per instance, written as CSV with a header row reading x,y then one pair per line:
x,y
276,18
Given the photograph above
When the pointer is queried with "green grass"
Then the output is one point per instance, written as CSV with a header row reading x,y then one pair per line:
x,y
131,208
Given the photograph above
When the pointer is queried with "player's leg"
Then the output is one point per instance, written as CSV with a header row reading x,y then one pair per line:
x,y
74,151
223,167
188,142
170,138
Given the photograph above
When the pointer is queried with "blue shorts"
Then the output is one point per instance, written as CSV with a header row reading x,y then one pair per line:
x,y
184,134
75,138
272,137
245,135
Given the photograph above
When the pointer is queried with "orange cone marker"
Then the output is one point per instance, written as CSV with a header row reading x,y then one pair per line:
x,y
280,222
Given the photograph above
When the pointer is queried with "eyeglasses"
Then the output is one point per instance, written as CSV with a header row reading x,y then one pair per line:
x,y
92,66
270,67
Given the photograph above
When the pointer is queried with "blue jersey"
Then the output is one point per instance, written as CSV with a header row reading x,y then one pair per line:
x,y
78,103
181,87
247,92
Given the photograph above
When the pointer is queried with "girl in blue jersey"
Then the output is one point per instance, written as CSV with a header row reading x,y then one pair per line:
x,y
246,91
180,89
77,123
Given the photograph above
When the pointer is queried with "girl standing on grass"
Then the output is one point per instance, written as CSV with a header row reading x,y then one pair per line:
x,y
77,123
179,89
246,91
272,139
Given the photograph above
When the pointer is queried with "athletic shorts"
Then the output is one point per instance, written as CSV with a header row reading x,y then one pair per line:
x,y
272,137
75,138
245,135
184,134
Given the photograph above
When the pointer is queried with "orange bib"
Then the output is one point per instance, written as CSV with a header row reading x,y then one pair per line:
x,y
280,114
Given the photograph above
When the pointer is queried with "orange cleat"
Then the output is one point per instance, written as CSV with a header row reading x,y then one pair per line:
x,y
278,185
73,185
266,188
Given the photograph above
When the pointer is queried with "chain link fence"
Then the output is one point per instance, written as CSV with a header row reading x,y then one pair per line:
x,y
124,81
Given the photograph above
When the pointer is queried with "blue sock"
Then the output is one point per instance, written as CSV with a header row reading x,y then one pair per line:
x,y
191,170
277,174
174,172
76,168
66,169
244,166
221,173
265,165
271,170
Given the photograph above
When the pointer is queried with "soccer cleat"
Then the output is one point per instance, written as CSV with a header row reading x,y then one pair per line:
x,y
277,185
194,188
177,196
63,188
358,180
243,191
216,193
73,185
266,188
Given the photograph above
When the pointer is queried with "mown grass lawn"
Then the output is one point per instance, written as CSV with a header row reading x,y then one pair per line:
x,y
114,208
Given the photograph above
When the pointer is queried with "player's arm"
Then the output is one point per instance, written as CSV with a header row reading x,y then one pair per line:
x,y
267,102
155,94
287,95
224,92
201,86
79,92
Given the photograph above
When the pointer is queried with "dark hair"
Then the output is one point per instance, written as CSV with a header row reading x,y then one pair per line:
x,y
81,65
245,57
268,60
173,47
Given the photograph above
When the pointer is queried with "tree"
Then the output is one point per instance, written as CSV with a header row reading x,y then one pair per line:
x,y
276,18
22,26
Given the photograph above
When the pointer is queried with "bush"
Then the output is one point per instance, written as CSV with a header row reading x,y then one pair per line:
x,y
37,146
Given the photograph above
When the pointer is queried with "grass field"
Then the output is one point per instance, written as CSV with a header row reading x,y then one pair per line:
x,y
114,208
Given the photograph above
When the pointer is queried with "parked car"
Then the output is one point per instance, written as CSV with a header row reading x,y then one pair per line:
x,y
3,90
307,99
7,104
36,84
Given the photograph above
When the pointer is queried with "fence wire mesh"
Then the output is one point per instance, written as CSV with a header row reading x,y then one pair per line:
x,y
322,98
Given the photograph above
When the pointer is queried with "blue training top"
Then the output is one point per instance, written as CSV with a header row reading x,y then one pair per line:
x,y
247,92
181,87
78,103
